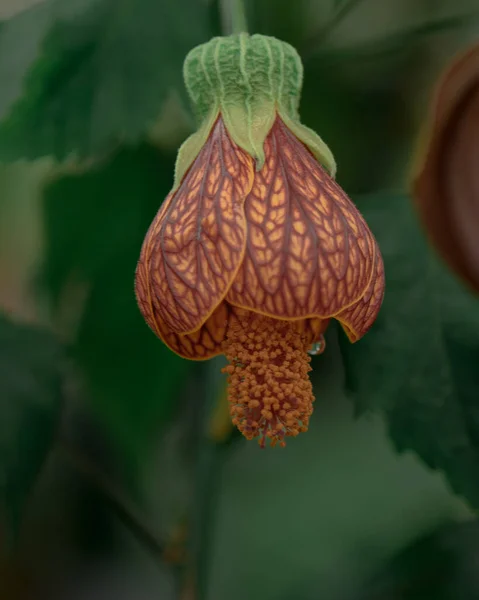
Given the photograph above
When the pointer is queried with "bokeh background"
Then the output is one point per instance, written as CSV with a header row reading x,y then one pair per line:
x,y
120,474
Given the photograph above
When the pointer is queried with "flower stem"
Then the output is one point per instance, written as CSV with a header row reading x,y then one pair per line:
x,y
233,17
210,458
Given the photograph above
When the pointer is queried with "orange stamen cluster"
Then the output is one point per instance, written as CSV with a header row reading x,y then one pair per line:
x,y
269,393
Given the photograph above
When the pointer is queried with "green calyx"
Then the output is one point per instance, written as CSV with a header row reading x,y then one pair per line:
x,y
249,80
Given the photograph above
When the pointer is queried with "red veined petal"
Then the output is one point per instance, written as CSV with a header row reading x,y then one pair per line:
x,y
143,289
195,246
207,341
358,318
309,252
203,344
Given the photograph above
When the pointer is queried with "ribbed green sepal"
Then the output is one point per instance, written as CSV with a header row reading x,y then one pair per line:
x,y
249,80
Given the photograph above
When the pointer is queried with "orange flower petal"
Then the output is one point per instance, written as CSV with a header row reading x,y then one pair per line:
x,y
196,244
143,288
309,251
203,344
358,318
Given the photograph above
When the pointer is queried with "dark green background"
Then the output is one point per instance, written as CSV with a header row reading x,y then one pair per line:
x,y
116,480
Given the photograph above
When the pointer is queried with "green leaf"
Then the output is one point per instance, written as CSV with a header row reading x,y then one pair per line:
x,y
418,364
95,223
21,39
102,76
30,402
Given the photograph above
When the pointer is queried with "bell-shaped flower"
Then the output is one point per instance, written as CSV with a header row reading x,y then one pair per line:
x,y
257,247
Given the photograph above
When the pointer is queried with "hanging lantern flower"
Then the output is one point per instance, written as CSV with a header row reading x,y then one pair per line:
x,y
446,181
257,247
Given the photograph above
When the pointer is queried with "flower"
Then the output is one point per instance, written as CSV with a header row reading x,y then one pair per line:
x,y
446,186
255,250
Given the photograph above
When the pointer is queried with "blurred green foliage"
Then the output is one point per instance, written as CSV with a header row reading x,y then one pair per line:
x,y
113,484
418,363
32,375
439,566
94,224
93,79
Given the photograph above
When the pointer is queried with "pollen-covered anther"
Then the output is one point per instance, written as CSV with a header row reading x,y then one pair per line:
x,y
269,391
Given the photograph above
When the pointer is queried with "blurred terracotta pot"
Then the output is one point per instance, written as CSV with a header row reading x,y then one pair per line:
x,y
446,182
